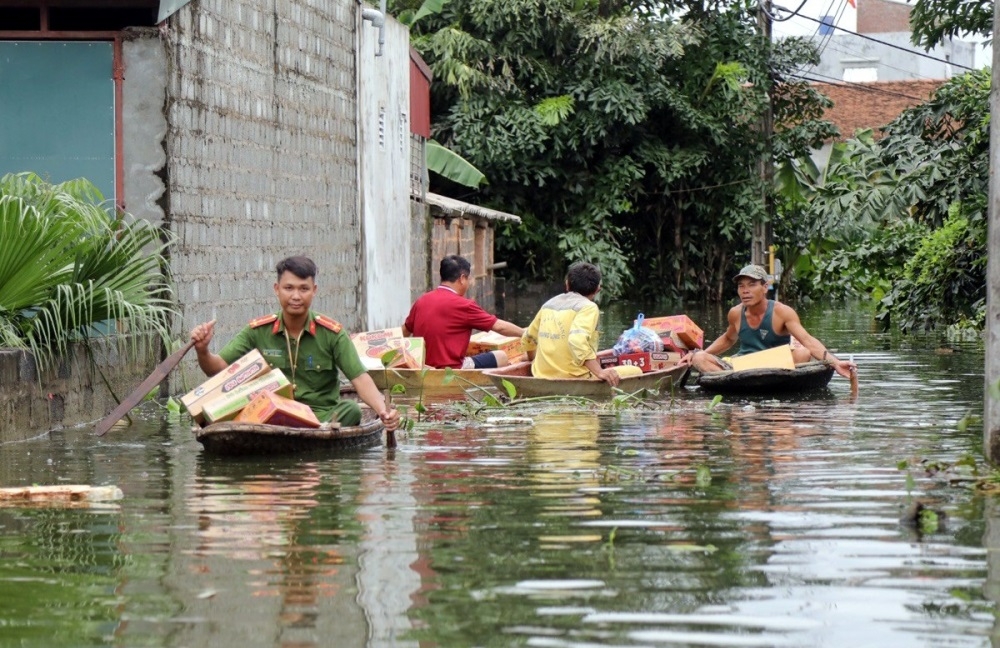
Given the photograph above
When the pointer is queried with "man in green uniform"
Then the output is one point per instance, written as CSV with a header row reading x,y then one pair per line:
x,y
310,349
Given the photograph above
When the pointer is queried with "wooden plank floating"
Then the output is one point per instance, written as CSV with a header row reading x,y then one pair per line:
x,y
68,494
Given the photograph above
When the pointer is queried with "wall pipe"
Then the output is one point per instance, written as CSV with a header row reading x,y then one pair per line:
x,y
377,19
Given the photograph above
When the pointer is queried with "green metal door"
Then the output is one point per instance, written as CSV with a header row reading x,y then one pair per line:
x,y
57,111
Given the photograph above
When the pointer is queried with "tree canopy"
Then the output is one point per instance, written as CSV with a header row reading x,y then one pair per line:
x,y
625,133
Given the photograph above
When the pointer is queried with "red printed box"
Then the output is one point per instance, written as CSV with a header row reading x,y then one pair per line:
x,y
650,361
273,409
677,328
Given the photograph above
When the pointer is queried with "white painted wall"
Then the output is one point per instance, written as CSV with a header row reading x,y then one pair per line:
x,y
384,167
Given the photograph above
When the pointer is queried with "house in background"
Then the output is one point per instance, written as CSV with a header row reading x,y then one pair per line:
x,y
882,49
249,130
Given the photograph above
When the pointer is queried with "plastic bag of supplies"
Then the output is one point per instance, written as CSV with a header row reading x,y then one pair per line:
x,y
638,339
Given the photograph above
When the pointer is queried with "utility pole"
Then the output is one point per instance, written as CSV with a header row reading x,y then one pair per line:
x,y
763,235
991,405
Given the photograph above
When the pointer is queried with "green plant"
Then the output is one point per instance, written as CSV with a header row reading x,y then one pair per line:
x,y
71,269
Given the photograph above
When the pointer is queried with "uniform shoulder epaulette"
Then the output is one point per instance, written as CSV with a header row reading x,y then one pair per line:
x,y
262,320
327,322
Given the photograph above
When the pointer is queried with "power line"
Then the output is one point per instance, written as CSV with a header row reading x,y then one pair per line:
x,y
882,42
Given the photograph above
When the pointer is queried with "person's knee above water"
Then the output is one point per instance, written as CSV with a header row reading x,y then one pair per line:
x,y
563,336
757,324
445,318
310,349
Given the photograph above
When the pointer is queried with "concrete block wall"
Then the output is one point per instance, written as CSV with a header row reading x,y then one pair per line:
x,y
73,391
422,278
262,161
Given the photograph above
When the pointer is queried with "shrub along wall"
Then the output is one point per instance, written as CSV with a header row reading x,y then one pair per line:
x,y
69,394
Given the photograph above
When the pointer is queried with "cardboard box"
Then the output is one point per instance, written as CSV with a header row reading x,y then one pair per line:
x,y
679,329
776,358
492,341
649,361
237,373
268,407
410,353
372,345
228,405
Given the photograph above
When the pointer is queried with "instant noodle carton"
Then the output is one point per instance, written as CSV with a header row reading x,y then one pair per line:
x,y
679,329
273,409
228,405
237,373
372,345
492,341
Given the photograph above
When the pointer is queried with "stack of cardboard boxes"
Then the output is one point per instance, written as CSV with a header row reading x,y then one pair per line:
x,y
248,390
679,335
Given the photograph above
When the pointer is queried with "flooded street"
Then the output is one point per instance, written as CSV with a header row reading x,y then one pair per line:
x,y
751,522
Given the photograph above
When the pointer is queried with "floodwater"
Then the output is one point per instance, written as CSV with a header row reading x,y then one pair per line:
x,y
753,522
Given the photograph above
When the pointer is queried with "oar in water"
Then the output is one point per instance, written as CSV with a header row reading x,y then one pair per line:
x,y
854,379
159,373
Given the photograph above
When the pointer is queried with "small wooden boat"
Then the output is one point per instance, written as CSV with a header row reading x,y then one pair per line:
x,y
527,386
441,383
804,377
229,438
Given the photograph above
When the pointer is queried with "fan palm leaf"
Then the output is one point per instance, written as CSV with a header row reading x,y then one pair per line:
x,y
68,268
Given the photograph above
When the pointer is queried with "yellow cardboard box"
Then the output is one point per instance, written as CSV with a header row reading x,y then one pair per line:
x,y
776,358
237,373
492,341
227,406
269,407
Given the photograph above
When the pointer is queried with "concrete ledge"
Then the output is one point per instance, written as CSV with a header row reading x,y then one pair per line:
x,y
72,392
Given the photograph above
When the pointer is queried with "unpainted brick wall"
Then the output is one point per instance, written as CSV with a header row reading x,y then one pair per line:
x,y
472,238
262,162
881,16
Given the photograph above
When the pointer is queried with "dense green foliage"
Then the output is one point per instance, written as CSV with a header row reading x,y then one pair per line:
x,y
69,268
934,21
620,133
904,218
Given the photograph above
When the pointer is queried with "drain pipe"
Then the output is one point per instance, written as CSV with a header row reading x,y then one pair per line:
x,y
377,19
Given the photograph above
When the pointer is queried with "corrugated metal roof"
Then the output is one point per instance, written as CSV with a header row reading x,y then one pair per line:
x,y
456,208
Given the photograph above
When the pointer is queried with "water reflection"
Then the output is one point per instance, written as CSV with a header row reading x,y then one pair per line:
x,y
754,522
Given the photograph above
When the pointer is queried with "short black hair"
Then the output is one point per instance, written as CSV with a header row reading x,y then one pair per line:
x,y
300,266
453,267
583,278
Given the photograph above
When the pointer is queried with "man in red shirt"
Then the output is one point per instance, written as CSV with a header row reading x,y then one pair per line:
x,y
445,318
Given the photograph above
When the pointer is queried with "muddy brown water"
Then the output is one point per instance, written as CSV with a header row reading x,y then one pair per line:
x,y
756,522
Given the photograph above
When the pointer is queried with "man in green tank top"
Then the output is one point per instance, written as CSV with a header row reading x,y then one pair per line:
x,y
758,324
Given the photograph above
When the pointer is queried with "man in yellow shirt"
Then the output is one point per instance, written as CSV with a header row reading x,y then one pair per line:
x,y
564,334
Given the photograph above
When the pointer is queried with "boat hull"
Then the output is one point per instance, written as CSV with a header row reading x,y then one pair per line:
x,y
527,386
442,383
230,439
805,377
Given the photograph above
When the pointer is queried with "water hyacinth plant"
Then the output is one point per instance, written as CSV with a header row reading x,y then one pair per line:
x,y
71,269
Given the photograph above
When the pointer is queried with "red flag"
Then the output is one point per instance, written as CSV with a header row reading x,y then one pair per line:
x,y
853,3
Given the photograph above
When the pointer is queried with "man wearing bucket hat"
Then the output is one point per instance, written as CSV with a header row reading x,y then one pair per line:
x,y
758,323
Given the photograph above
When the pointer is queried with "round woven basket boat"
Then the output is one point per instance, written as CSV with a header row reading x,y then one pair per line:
x,y
804,377
228,438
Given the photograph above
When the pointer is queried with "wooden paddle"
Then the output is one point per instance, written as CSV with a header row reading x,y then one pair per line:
x,y
854,381
159,373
